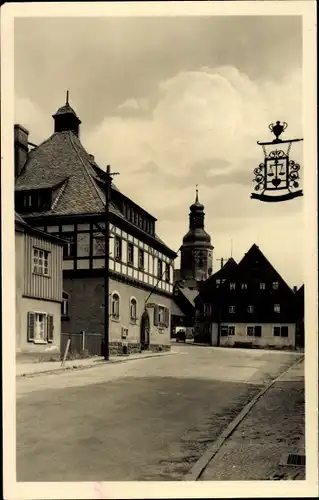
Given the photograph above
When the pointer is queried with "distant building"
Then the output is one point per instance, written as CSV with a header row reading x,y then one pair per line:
x,y
38,292
250,305
196,266
183,308
61,190
196,250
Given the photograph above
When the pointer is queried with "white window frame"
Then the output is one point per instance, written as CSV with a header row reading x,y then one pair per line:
x,y
118,248
65,304
250,309
40,260
130,250
244,286
115,315
133,305
277,308
262,286
232,286
45,325
141,257
231,309
275,285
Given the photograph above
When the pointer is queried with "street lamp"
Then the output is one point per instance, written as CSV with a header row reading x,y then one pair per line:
x,y
278,173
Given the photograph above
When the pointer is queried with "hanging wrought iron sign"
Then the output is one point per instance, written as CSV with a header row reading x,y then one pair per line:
x,y
277,177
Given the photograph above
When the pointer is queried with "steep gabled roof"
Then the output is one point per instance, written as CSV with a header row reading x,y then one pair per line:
x,y
190,294
255,263
61,156
62,164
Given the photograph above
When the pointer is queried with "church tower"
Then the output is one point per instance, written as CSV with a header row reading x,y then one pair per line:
x,y
196,250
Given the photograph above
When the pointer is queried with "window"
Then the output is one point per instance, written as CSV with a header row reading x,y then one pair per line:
x,y
140,258
40,262
167,272
217,283
200,260
275,285
130,254
65,304
277,308
207,309
115,308
40,327
227,330
98,245
254,331
250,309
250,331
244,286
161,316
118,248
262,286
133,310
159,268
69,247
232,286
280,331
231,309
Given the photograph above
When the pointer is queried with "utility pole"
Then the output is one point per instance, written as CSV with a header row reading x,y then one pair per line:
x,y
108,183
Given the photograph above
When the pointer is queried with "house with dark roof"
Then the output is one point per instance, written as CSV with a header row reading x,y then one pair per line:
x,y
251,305
38,292
183,308
60,189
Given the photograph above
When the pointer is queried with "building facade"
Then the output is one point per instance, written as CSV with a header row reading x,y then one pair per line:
x,y
61,190
38,292
250,307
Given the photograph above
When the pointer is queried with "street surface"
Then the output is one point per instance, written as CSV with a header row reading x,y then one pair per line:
x,y
147,419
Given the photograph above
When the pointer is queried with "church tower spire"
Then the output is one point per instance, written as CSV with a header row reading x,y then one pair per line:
x,y
196,250
66,119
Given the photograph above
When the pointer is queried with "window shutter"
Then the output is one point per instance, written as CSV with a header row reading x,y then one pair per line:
x,y
167,317
156,316
31,326
50,328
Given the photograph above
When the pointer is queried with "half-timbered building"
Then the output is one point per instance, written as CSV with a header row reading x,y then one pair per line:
x,y
60,189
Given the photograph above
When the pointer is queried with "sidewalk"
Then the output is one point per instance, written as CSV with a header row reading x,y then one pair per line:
x,y
32,369
272,429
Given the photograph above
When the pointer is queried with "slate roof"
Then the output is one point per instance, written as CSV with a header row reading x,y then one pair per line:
x,y
190,294
175,309
62,163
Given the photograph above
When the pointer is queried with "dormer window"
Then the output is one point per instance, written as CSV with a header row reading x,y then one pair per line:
x,y
262,286
244,286
33,200
232,286
275,285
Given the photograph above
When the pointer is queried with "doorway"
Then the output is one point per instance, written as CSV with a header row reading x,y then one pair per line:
x,y
145,331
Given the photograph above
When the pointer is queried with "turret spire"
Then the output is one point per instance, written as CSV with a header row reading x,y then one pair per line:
x,y
196,199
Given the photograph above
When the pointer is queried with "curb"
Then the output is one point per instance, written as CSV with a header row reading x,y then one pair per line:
x,y
198,468
96,364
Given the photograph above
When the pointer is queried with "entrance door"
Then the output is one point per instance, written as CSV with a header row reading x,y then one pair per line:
x,y
145,331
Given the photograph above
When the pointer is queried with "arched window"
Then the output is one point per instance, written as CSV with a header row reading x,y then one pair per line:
x,y
65,304
133,310
115,306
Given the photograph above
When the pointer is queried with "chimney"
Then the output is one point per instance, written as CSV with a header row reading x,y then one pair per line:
x,y
21,149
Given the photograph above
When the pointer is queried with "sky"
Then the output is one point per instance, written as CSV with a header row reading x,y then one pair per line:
x,y
171,103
